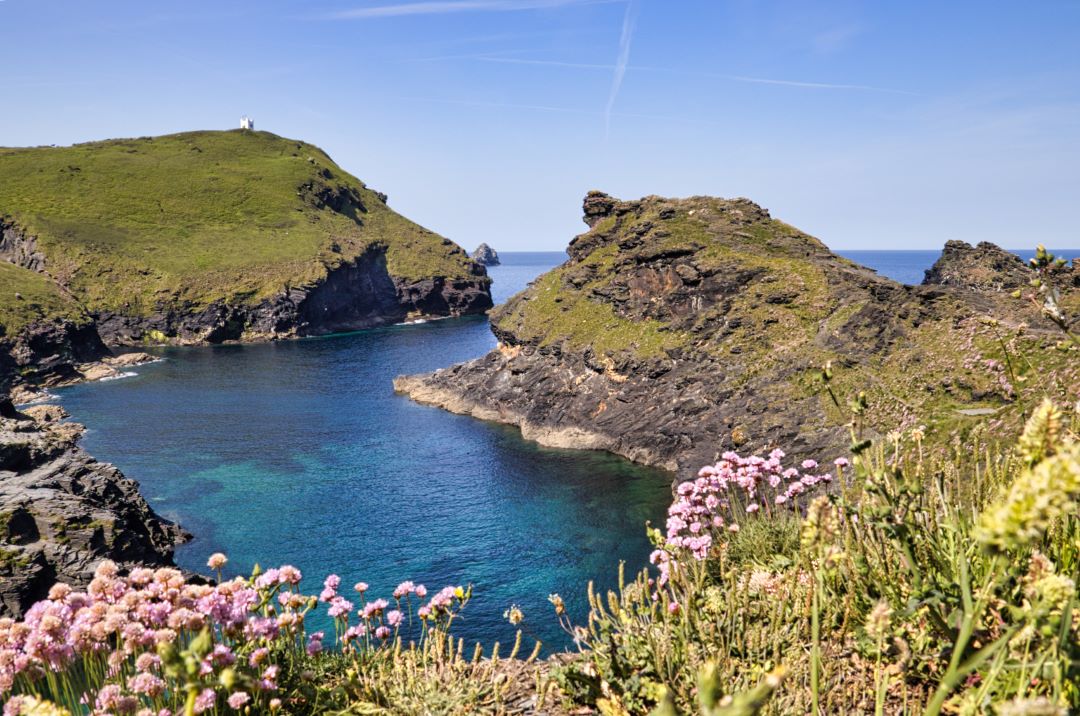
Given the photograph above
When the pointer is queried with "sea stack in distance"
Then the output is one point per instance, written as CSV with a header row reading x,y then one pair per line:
x,y
485,256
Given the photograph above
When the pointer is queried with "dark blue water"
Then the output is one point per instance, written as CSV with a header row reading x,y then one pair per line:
x,y
299,452
909,266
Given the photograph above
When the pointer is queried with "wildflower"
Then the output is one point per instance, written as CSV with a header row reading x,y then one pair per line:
x,y
673,607
878,621
514,615
557,602
217,561
289,574
820,530
1041,433
383,633
340,607
258,656
1039,706
275,704
403,589
1033,502
205,701
268,680
33,706
841,462
375,608
361,587
421,591
393,618
148,662
330,587
147,684
237,700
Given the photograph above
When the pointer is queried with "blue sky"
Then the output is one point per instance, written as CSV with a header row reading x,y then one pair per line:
x,y
867,124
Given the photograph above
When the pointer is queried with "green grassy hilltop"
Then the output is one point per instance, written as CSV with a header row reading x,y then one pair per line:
x,y
129,224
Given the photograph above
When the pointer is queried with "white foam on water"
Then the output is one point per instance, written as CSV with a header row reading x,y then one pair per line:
x,y
124,374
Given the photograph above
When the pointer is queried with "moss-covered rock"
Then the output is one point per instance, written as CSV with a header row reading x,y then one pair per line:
x,y
680,328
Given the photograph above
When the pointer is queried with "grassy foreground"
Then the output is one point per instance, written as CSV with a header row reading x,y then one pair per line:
x,y
131,224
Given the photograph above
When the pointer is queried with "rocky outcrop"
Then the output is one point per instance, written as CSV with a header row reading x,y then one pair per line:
x,y
62,512
485,256
682,328
984,267
351,296
18,248
48,352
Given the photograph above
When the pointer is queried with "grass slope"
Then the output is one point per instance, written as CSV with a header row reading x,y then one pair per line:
x,y
132,223
26,296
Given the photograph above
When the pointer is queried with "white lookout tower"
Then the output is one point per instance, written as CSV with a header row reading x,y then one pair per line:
x,y
247,123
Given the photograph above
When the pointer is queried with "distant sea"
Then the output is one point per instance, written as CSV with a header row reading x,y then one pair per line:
x,y
299,452
909,266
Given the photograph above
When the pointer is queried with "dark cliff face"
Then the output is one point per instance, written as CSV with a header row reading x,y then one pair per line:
x,y
682,328
62,512
351,296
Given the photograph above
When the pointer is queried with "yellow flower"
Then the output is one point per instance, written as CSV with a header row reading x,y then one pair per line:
x,y
1036,499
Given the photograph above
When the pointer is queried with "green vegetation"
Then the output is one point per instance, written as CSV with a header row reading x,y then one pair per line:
x,y
26,296
191,218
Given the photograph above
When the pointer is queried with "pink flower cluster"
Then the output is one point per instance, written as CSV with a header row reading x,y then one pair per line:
x,y
376,618
122,622
722,492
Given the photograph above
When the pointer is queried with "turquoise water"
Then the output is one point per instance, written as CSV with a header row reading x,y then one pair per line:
x,y
299,452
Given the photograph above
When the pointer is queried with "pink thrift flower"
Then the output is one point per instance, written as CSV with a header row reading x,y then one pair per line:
x,y
238,699
205,701
383,633
393,618
361,587
289,574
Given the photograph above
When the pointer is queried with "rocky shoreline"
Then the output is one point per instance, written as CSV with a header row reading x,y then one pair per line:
x,y
62,511
679,329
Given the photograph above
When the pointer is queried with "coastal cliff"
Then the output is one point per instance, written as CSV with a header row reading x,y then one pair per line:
x,y
680,328
206,237
62,512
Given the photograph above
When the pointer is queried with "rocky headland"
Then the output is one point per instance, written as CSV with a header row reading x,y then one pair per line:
x,y
204,237
62,511
680,328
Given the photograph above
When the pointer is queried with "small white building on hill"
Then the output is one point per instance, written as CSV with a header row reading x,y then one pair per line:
x,y
247,123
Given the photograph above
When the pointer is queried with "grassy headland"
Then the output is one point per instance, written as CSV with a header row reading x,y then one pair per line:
x,y
131,224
